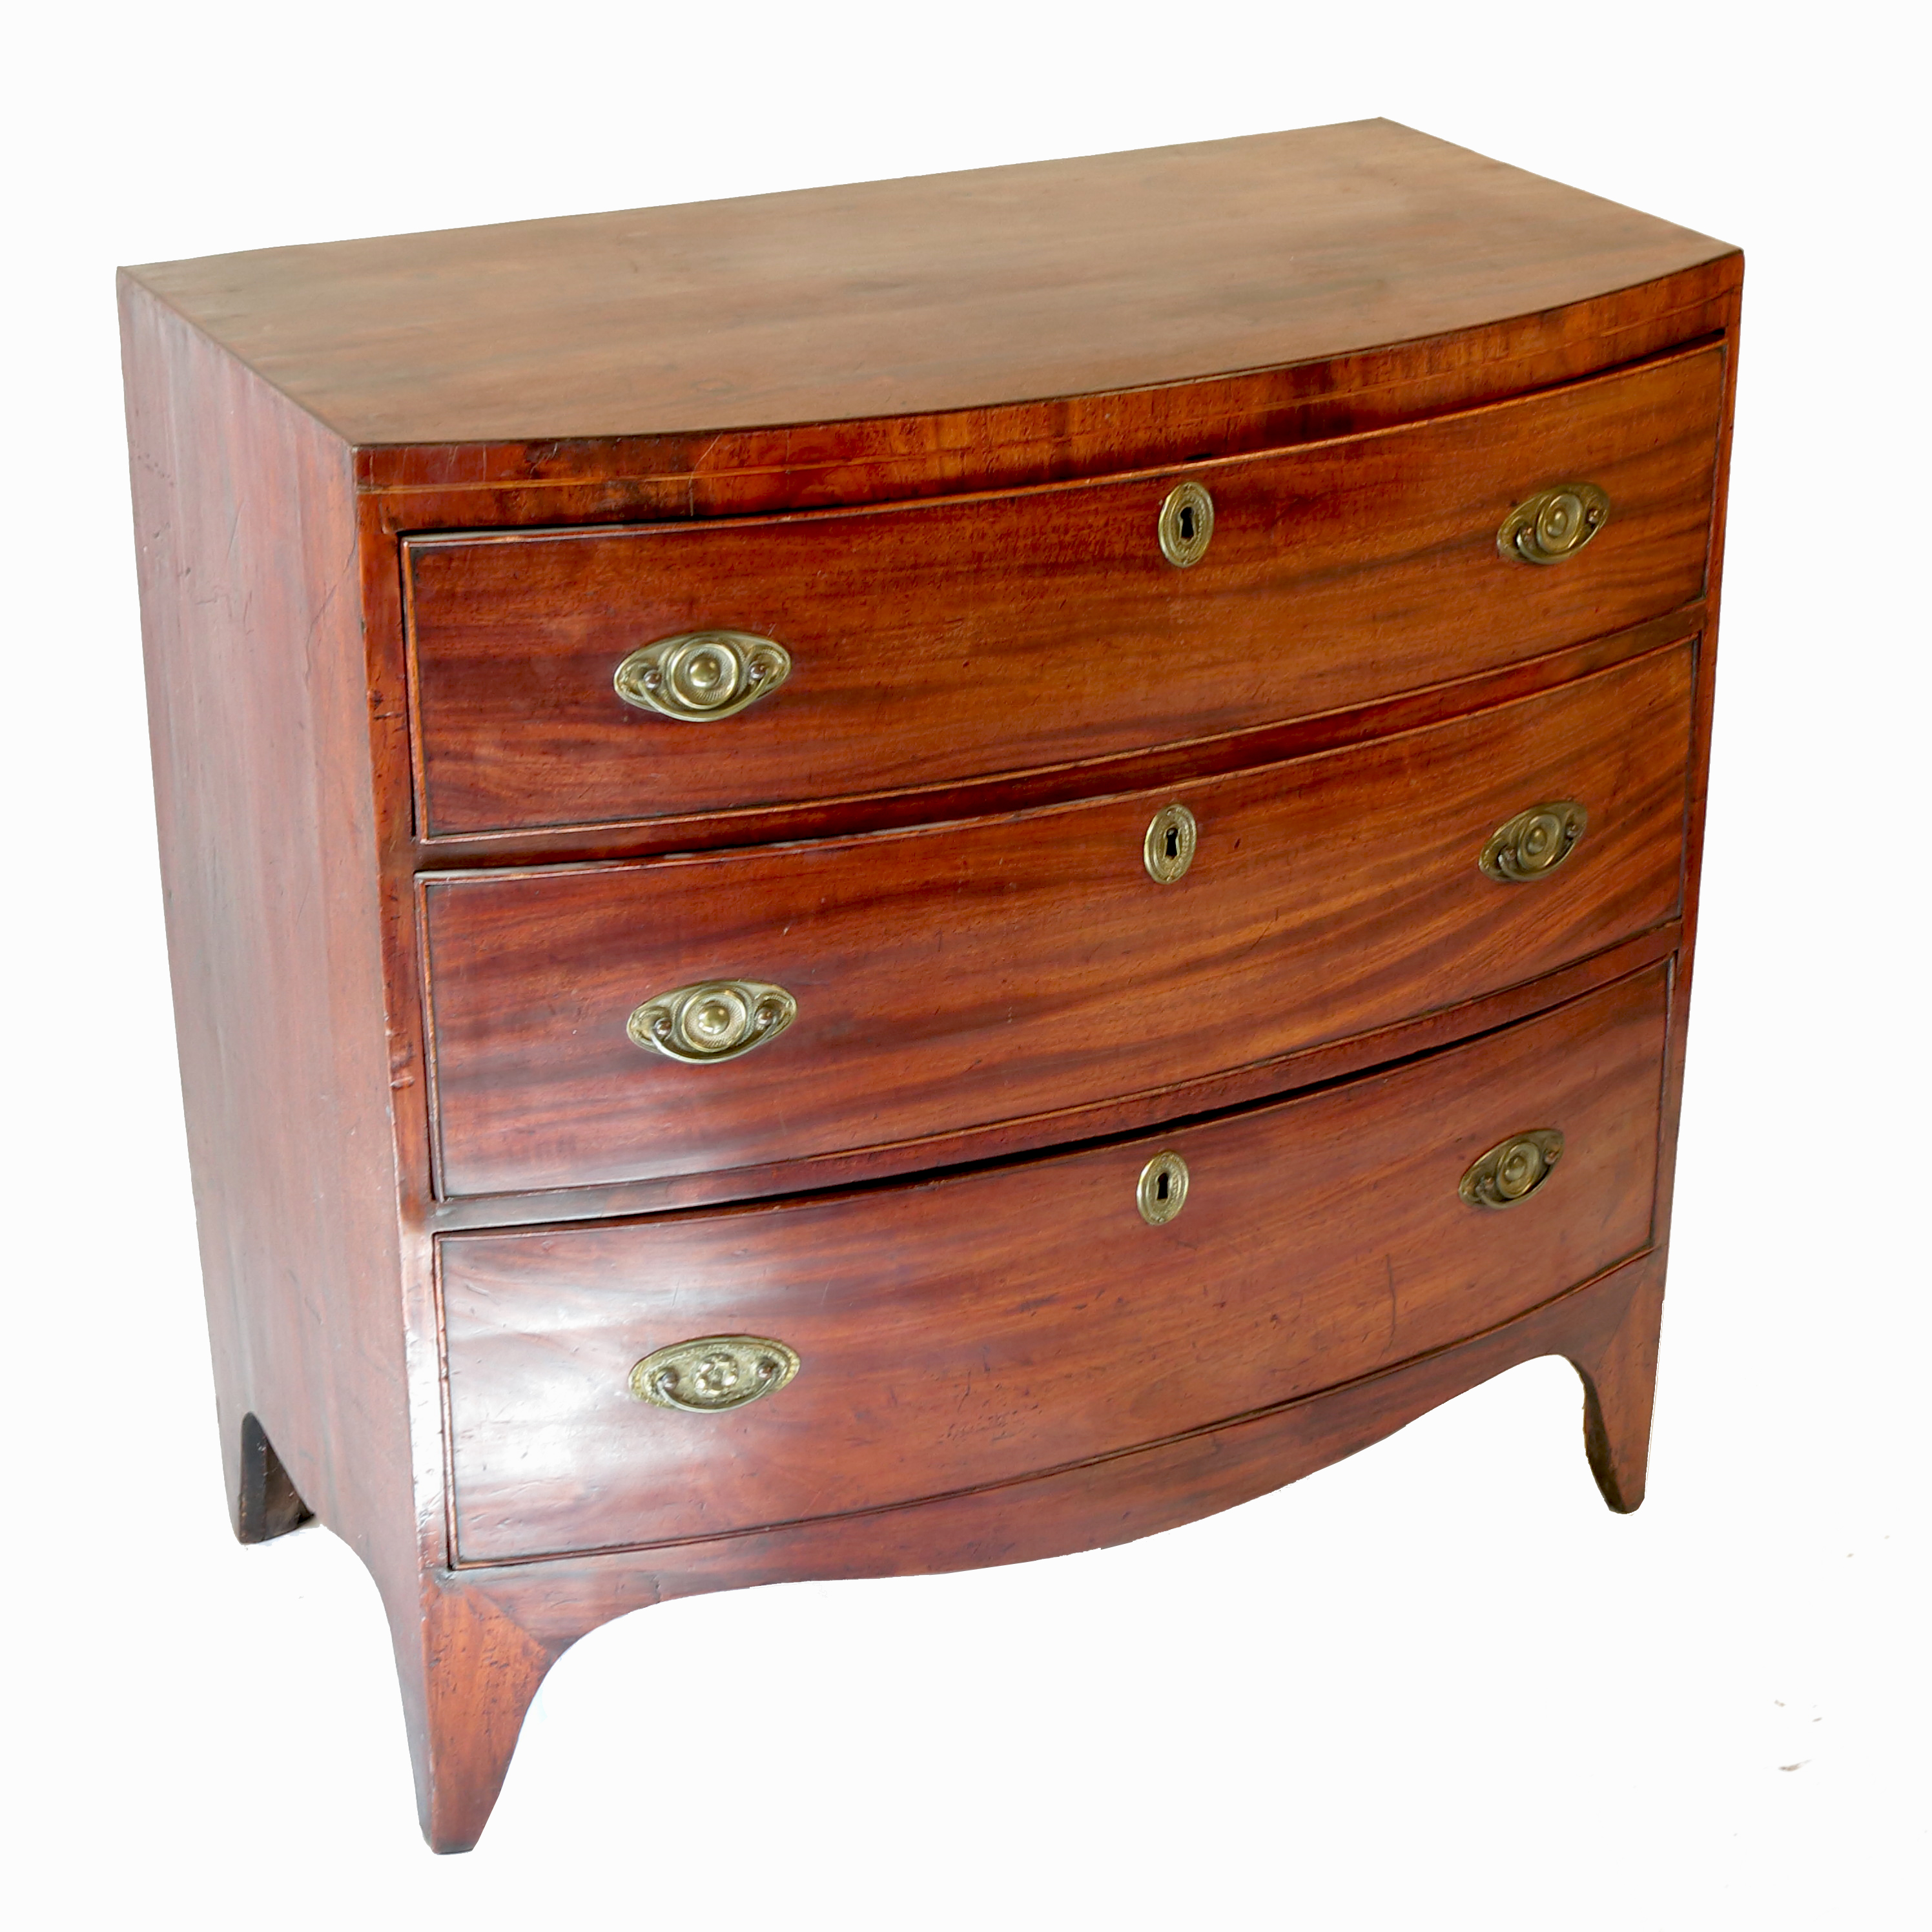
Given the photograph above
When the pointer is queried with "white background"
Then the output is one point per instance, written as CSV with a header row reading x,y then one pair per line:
x,y
1438,1683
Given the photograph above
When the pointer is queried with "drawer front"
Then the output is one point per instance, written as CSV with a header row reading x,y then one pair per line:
x,y
981,1327
963,974
936,642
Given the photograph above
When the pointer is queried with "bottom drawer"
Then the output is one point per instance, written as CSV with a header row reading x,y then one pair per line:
x,y
983,1326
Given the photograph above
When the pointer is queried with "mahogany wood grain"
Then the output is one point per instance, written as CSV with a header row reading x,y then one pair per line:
x,y
1619,1384
1011,445
966,974
946,640
901,297
521,1617
245,540
1158,766
965,1331
480,1669
1117,1115
514,379
1702,714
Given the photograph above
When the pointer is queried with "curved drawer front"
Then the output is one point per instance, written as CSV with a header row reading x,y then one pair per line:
x,y
932,643
919,1339
908,984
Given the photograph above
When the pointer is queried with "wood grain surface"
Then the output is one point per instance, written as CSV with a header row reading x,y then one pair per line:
x,y
244,526
1002,1361
927,804
499,1628
779,467
886,298
945,639
1100,1119
969,974
970,1330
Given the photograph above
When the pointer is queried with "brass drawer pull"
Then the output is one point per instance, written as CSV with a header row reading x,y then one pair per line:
x,y
1168,846
1533,843
1186,523
713,1372
716,1019
1554,525
1163,1191
702,675
1512,1170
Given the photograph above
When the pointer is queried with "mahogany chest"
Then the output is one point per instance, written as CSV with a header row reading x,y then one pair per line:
x,y
919,875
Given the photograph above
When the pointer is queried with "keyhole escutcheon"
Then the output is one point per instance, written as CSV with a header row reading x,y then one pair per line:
x,y
1168,848
1162,1189
1187,524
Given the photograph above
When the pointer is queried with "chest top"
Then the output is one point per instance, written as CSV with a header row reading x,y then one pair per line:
x,y
949,292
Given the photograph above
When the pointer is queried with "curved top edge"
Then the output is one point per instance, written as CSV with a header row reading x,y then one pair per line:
x,y
918,297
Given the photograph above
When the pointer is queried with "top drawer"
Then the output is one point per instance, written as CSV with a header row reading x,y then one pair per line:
x,y
934,642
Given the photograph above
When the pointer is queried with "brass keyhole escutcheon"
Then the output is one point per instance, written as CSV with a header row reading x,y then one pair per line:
x,y
1163,1191
1554,524
1168,848
1187,525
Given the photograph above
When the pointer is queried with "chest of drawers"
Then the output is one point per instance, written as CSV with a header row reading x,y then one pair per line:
x,y
921,875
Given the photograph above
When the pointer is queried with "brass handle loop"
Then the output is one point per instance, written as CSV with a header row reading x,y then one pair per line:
x,y
702,675
713,1372
1553,525
1533,843
1512,1170
716,1019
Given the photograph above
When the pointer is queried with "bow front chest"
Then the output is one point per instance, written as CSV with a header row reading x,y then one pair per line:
x,y
923,873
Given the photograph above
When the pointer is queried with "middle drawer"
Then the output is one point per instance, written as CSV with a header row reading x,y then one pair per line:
x,y
957,975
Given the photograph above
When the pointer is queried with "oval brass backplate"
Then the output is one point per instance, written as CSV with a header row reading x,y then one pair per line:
x,y
1168,846
702,675
1533,843
1512,1170
1187,524
713,1372
716,1019
1163,1191
1553,525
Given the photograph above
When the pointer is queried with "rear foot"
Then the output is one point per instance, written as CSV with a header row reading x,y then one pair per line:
x,y
265,1504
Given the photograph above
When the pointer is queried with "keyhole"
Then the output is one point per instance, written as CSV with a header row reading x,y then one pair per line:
x,y
1186,522
1161,1192
1167,846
